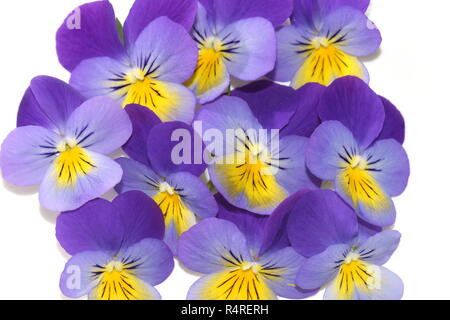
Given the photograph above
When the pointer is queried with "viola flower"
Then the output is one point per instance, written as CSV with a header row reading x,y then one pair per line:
x,y
148,67
61,143
117,249
176,188
324,229
324,42
255,168
234,38
228,251
353,149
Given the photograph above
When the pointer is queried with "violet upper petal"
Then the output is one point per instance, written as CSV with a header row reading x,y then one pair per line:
x,y
320,219
90,31
394,124
175,147
93,227
27,153
48,102
144,12
350,101
143,120
140,216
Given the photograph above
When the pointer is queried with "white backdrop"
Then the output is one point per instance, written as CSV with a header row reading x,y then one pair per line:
x,y
411,70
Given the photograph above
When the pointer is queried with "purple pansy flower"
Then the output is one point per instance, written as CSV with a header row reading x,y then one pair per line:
x,y
359,151
61,142
176,188
229,252
254,168
234,38
324,42
117,249
324,228
157,55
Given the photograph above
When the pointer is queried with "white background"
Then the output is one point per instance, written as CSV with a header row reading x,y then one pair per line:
x,y
411,70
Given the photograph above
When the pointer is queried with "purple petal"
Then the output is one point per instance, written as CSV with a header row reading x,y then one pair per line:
x,y
171,238
213,245
306,117
350,101
366,230
292,174
312,12
389,165
76,279
100,125
98,77
143,120
271,103
361,5
255,54
329,143
320,219
27,153
251,225
153,260
275,234
224,114
321,268
362,38
276,11
137,176
394,124
140,216
90,31
288,60
48,102
285,264
175,147
144,12
93,227
165,50
76,187
379,248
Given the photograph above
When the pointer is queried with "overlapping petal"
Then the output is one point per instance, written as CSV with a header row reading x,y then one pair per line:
x,y
351,102
145,11
76,178
227,11
318,220
213,246
175,147
90,31
26,154
90,125
254,53
143,120
48,102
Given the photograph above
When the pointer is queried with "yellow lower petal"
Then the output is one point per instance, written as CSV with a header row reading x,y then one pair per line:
x,y
237,284
161,97
251,179
353,276
359,185
211,71
325,64
71,164
175,211
120,284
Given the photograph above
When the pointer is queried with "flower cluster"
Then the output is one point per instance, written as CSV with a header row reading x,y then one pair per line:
x,y
267,190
